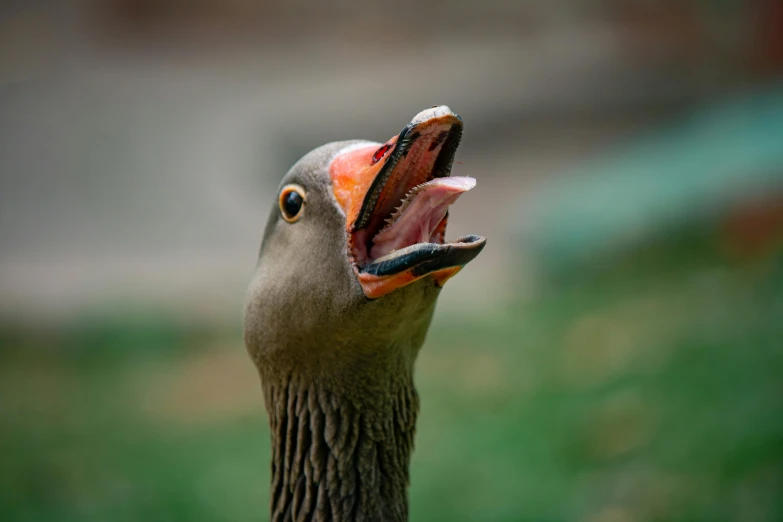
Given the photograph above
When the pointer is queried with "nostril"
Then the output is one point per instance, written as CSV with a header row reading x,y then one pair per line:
x,y
380,153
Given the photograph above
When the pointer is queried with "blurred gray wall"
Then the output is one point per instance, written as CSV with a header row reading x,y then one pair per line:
x,y
141,142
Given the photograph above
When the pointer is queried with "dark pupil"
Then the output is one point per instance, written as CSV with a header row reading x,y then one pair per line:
x,y
292,203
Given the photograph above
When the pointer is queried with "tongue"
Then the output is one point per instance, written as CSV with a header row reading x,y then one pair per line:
x,y
420,213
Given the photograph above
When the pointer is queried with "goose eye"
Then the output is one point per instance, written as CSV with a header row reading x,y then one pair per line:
x,y
292,199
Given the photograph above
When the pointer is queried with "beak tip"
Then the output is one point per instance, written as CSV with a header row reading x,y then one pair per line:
x,y
436,111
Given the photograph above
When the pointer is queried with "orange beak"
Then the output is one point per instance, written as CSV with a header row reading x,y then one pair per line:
x,y
395,197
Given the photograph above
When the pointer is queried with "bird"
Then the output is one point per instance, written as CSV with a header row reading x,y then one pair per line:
x,y
352,260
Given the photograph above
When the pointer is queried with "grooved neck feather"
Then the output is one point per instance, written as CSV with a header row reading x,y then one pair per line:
x,y
338,458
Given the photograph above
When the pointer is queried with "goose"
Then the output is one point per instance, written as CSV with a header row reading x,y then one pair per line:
x,y
351,263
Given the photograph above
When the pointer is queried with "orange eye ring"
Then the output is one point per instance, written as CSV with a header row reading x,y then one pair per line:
x,y
292,202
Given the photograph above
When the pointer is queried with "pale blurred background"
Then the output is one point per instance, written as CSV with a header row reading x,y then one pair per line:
x,y
614,355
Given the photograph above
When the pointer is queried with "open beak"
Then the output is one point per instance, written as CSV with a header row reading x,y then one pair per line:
x,y
396,198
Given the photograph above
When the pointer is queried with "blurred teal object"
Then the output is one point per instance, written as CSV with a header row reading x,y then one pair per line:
x,y
688,172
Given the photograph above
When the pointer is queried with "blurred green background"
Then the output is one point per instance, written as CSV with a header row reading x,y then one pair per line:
x,y
614,355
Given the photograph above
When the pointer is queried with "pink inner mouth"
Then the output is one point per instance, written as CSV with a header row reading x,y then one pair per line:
x,y
420,213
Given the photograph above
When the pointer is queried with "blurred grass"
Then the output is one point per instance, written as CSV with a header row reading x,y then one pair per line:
x,y
647,390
